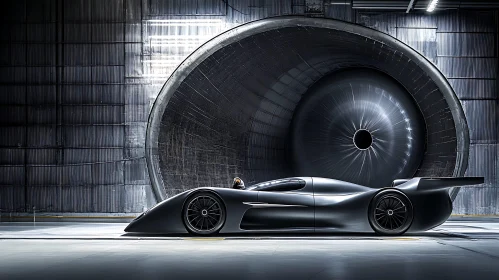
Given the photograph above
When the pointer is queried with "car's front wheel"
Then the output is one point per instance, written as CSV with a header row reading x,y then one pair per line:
x,y
204,213
390,213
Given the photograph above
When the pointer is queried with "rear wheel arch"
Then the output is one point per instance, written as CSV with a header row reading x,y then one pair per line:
x,y
396,194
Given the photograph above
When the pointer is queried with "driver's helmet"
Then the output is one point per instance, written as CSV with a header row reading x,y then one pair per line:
x,y
238,184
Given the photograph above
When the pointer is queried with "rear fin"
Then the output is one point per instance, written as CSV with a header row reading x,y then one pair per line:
x,y
440,183
397,182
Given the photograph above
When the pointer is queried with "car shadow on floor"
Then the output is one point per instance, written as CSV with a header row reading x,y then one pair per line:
x,y
298,236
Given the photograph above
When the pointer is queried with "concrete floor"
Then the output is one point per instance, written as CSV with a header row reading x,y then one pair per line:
x,y
459,249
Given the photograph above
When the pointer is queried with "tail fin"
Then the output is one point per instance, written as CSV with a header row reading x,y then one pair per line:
x,y
435,183
429,184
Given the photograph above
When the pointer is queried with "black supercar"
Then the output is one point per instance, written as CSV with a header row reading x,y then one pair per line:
x,y
305,204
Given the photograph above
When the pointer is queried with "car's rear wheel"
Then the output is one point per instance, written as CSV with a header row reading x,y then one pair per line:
x,y
204,213
390,213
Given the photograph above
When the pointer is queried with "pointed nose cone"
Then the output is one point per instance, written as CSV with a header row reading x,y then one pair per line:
x,y
134,226
131,227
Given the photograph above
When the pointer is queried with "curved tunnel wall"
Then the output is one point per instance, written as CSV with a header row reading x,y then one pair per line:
x,y
230,109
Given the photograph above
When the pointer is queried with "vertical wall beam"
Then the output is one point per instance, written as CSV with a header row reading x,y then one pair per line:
x,y
26,109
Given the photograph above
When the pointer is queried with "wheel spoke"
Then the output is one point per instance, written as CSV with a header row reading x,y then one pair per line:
x,y
397,220
197,223
211,206
210,217
198,203
397,203
403,206
211,224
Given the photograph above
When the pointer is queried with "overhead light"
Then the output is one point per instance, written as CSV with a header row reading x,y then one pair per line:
x,y
432,6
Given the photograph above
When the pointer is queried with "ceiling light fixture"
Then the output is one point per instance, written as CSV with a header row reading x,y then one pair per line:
x,y
432,6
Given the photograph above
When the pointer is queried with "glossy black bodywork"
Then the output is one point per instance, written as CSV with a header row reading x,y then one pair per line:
x,y
314,205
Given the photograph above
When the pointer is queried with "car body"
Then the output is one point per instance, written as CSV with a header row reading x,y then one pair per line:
x,y
305,204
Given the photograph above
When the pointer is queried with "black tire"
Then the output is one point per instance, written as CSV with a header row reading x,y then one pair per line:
x,y
203,213
390,213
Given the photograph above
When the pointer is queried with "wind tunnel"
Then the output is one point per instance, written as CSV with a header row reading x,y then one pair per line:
x,y
298,96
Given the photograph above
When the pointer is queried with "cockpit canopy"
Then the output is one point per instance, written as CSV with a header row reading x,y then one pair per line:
x,y
282,185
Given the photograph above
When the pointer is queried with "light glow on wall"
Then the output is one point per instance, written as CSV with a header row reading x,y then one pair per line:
x,y
169,41
432,6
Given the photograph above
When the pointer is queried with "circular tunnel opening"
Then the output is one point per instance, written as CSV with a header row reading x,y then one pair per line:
x,y
362,139
296,96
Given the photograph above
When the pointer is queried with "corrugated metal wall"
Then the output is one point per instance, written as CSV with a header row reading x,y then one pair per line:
x,y
78,77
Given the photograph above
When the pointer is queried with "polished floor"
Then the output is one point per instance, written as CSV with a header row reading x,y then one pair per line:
x,y
459,249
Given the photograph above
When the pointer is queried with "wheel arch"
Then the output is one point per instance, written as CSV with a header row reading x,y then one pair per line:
x,y
202,190
392,190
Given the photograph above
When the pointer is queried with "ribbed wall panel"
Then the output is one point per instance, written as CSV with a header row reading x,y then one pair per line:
x,y
77,54
465,67
11,156
77,10
477,201
41,54
41,33
12,75
424,40
41,136
94,94
41,94
12,115
11,198
107,114
41,114
466,44
475,88
484,162
91,156
16,136
468,21
136,172
107,11
76,199
483,120
12,95
186,7
43,199
93,136
48,156
108,199
12,175
417,20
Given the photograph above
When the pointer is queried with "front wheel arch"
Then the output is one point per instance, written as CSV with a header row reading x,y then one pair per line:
x,y
192,196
